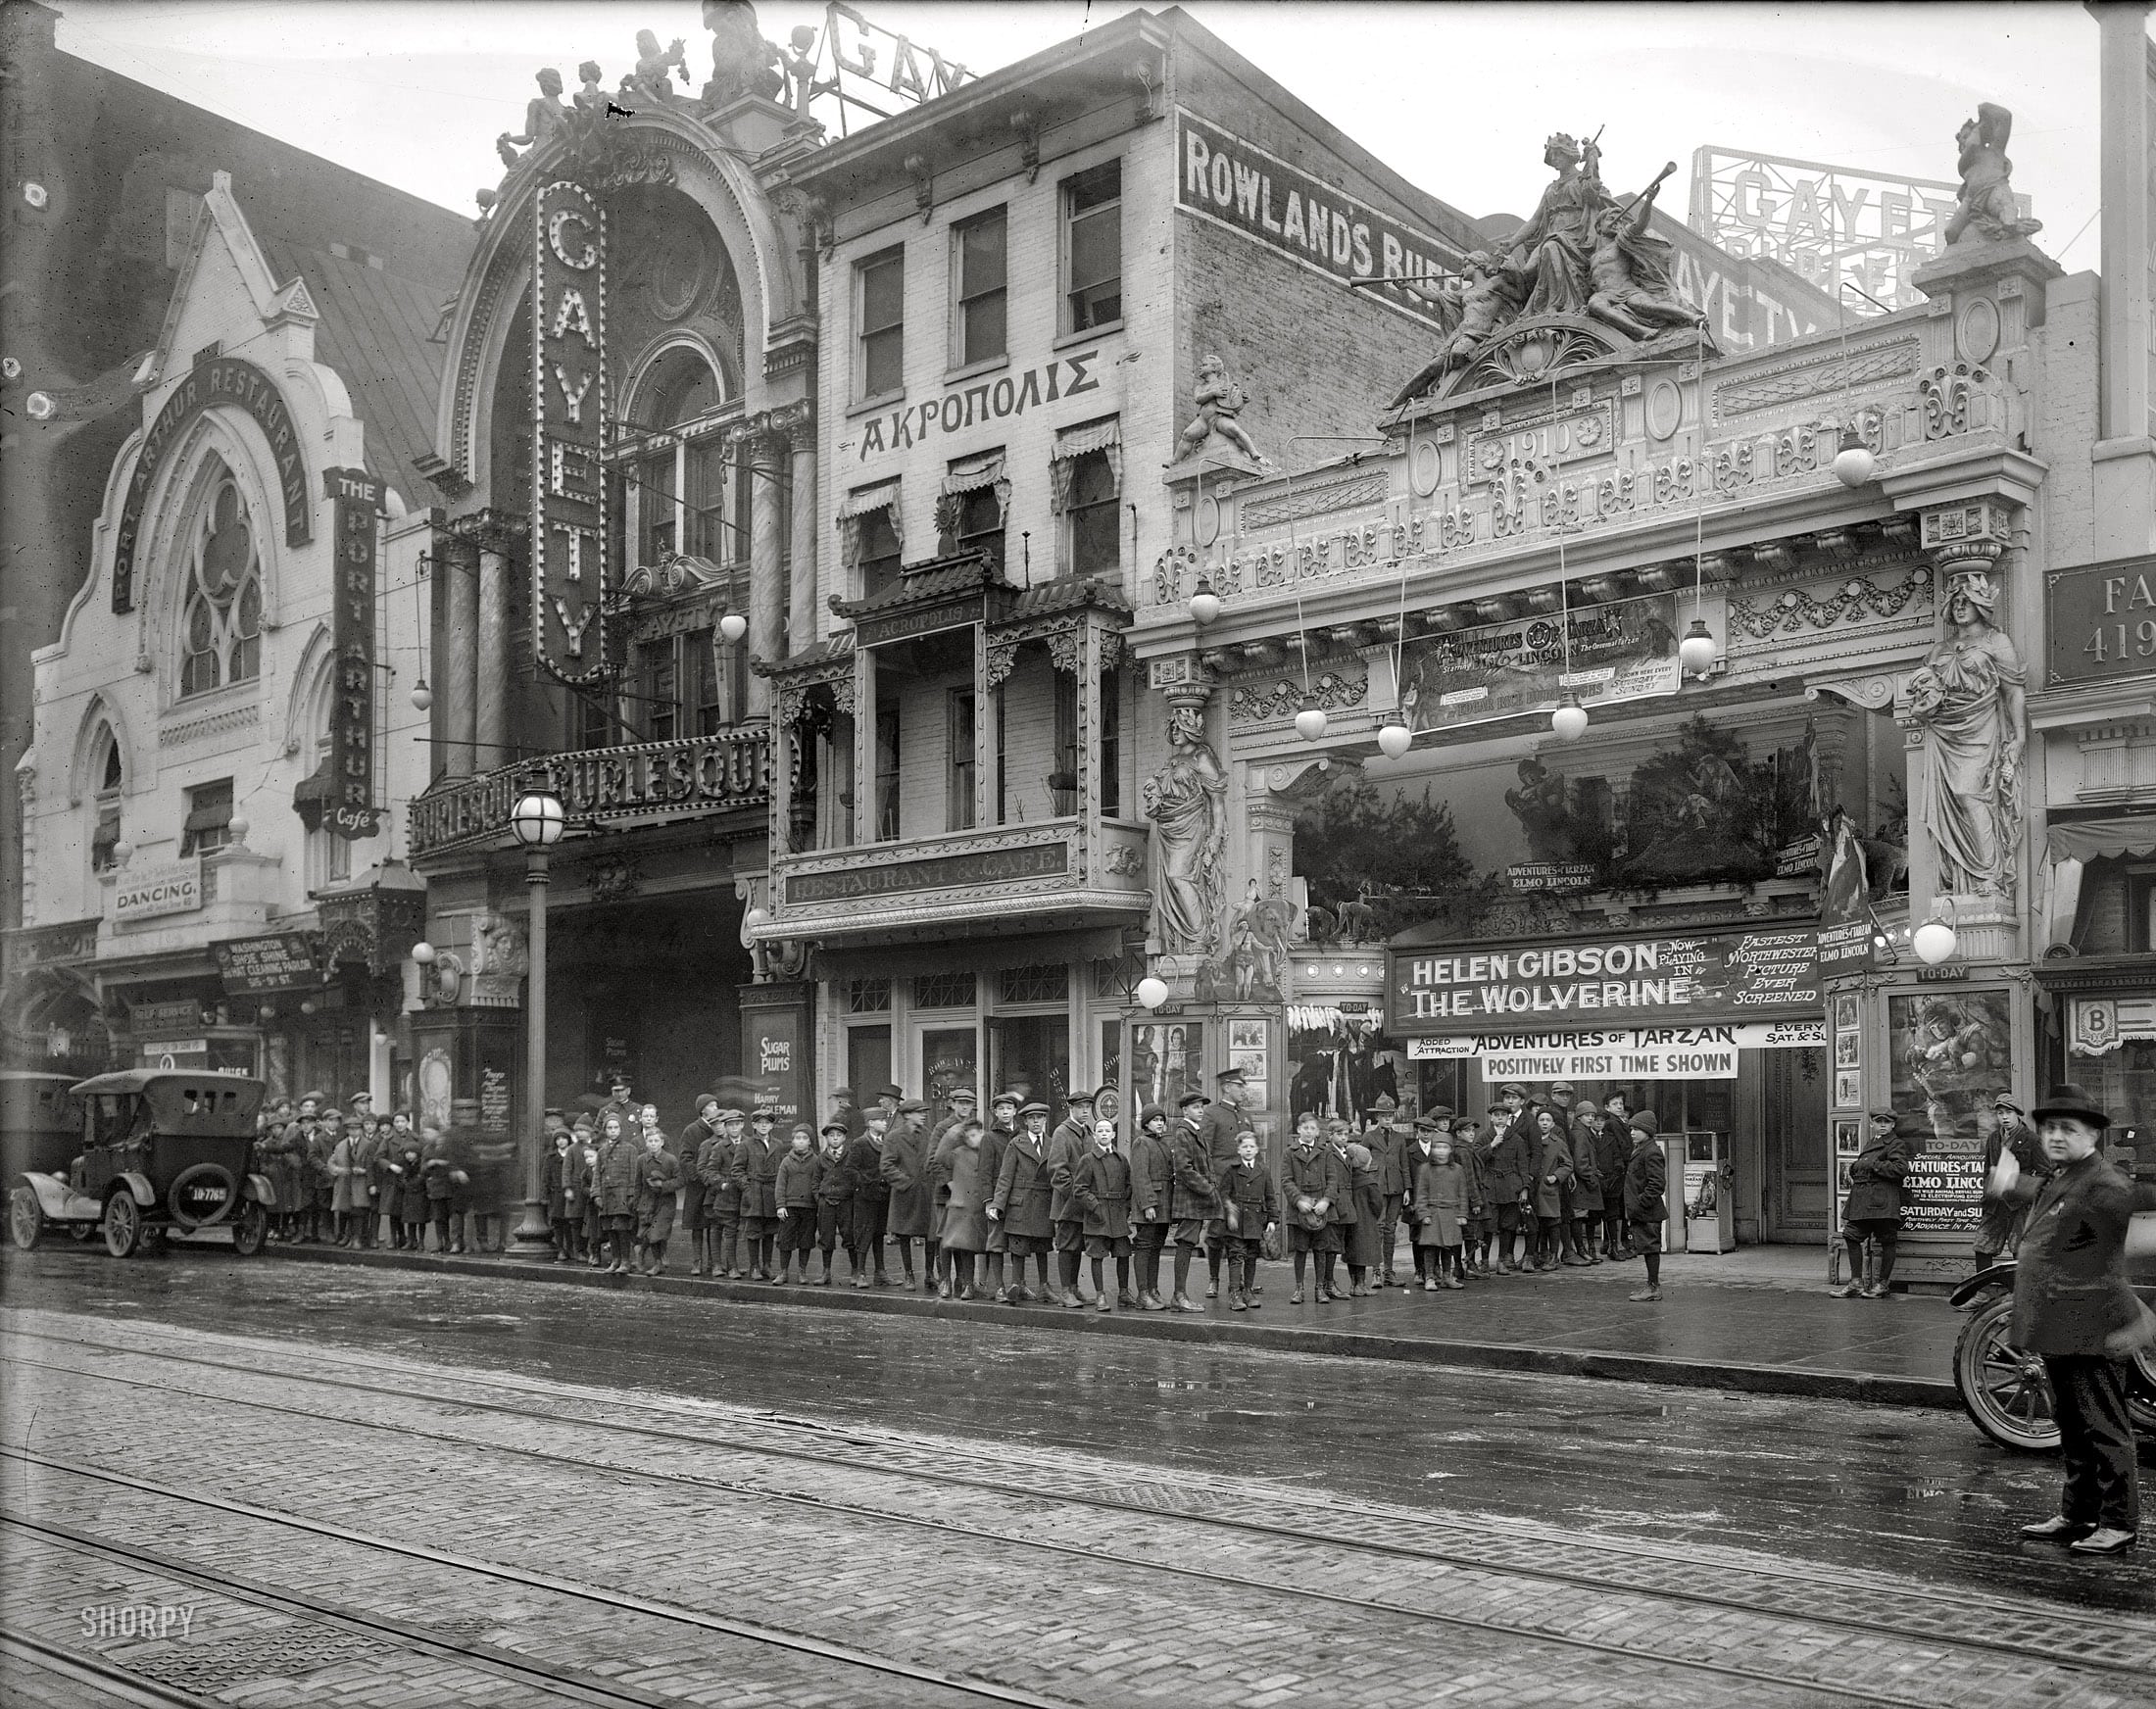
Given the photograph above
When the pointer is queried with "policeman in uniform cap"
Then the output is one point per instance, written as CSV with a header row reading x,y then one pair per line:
x,y
1222,1126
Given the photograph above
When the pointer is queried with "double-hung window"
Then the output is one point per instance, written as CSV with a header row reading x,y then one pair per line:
x,y
1093,247
980,280
209,822
879,306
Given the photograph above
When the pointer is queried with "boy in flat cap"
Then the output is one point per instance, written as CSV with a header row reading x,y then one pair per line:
x,y
2075,1309
995,1135
909,1197
1068,1148
714,1166
1196,1205
2000,1230
1872,1212
835,1199
1020,1206
1152,1193
756,1175
1646,1202
872,1198
689,1147
800,1174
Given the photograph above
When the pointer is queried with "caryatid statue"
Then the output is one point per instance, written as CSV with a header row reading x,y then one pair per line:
x,y
1968,697
1187,802
1984,203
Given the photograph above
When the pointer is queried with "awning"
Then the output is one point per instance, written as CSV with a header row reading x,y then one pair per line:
x,y
864,501
972,477
2098,839
1094,436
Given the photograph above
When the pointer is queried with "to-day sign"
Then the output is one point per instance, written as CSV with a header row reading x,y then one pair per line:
x,y
1628,981
1286,209
145,893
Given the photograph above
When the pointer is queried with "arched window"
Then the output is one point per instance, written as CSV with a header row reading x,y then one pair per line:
x,y
220,598
108,772
681,488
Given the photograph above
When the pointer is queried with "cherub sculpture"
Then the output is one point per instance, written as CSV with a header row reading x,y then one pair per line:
x,y
651,82
545,114
1985,202
1220,399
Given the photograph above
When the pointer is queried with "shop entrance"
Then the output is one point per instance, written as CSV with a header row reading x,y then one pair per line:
x,y
1793,1144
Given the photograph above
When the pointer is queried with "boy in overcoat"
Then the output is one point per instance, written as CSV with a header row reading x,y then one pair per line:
x,y
1511,1172
689,1149
1362,1240
1101,1188
963,1226
1871,1211
800,1174
1586,1180
322,1140
1151,1193
1345,1212
1611,1152
1441,1202
864,1162
1391,1141
1646,1202
1305,1197
565,1204
835,1201
657,1180
1551,1183
1471,1153
614,1183
1195,1208
1249,1208
2075,1309
1067,1146
1024,1191
715,1157
406,1165
909,1206
439,1159
756,1174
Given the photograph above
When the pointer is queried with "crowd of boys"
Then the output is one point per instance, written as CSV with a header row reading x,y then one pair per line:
x,y
1017,1202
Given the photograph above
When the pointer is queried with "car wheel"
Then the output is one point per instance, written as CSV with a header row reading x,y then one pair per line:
x,y
2005,1390
123,1224
25,1218
250,1230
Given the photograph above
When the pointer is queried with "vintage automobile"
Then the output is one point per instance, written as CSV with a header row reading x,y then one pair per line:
x,y
155,1151
40,1132
2004,1391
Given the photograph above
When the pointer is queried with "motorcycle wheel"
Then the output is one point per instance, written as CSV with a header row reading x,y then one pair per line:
x,y
2004,1391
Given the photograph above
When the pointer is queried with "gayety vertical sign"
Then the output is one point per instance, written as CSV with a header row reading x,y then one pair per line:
x,y
351,811
569,394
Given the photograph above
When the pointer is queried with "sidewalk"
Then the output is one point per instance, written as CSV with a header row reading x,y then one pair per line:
x,y
1760,1322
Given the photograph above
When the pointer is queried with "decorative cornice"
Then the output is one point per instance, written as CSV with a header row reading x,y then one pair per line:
x,y
239,718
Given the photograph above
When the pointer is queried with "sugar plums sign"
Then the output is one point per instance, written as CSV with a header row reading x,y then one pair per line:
x,y
568,392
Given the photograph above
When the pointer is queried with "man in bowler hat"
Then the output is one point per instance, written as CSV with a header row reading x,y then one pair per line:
x,y
2075,1309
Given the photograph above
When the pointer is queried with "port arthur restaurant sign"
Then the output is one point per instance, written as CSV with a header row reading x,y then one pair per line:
x,y
1640,1006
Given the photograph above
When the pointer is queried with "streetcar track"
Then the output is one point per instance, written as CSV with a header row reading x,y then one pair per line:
x,y
84,1669
800,1642
1906,1597
568,1683
706,1485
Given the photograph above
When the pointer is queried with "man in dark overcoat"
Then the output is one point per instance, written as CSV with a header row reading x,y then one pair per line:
x,y
1512,1163
1221,1128
2075,1309
1067,1146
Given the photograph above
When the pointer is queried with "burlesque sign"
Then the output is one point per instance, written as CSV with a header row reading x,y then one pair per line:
x,y
222,380
568,534
1624,651
351,812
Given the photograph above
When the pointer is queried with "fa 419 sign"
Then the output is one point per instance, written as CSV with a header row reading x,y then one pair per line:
x,y
2101,619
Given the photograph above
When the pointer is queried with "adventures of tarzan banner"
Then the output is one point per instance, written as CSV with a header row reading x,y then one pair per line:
x,y
1626,651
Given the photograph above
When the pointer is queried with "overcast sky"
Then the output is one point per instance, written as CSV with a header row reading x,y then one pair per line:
x,y
1457,97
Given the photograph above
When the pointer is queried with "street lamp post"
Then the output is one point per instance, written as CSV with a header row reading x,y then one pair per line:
x,y
538,821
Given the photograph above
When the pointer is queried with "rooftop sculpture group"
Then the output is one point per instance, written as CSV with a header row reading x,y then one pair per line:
x,y
1582,255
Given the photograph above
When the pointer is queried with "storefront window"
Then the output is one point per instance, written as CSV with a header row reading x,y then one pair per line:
x,y
2111,1050
949,1057
1033,1050
1951,1054
867,1061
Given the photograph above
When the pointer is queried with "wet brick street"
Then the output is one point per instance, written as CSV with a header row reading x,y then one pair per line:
x,y
383,1487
